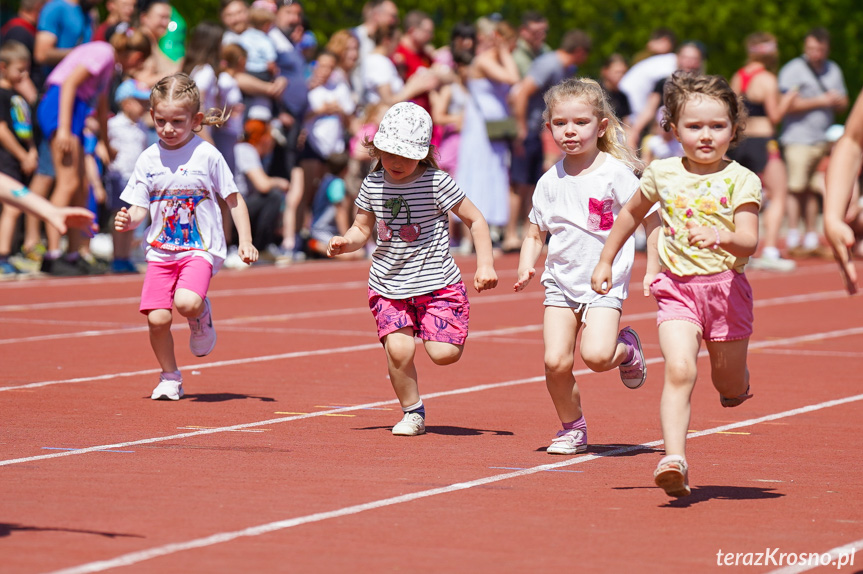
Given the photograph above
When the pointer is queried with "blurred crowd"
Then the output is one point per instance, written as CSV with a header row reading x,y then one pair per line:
x,y
302,105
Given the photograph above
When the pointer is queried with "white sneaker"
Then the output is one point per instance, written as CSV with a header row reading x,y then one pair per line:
x,y
168,389
202,339
572,441
412,424
773,264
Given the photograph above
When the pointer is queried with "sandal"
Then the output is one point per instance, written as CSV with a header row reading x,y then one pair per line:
x,y
672,476
735,401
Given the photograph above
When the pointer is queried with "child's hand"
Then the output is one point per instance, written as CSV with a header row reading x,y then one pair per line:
x,y
524,278
648,279
122,220
247,252
600,281
702,236
30,162
336,246
74,217
484,279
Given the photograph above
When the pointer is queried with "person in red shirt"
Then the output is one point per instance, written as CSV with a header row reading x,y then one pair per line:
x,y
414,52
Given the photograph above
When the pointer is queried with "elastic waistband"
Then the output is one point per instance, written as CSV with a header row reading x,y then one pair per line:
x,y
721,277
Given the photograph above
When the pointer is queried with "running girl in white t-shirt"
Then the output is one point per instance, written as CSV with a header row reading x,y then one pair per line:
x,y
576,202
181,174
415,287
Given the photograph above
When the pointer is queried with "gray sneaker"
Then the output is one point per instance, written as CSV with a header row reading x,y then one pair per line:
x,y
412,424
773,264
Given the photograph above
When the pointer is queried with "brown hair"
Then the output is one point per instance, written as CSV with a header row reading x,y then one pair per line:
x,y
684,86
762,48
181,88
338,43
131,41
368,143
613,141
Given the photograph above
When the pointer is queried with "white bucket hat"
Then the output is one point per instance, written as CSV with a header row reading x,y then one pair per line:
x,y
405,130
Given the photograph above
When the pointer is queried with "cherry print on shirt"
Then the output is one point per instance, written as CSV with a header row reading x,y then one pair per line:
x,y
409,231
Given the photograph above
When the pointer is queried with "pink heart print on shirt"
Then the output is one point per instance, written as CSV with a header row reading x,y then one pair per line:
x,y
601,218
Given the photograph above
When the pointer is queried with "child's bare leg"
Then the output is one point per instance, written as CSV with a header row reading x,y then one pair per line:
x,y
600,348
8,219
68,185
679,341
559,330
401,349
443,353
188,303
161,340
41,184
728,367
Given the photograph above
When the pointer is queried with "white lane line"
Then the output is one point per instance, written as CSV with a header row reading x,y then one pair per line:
x,y
223,537
846,552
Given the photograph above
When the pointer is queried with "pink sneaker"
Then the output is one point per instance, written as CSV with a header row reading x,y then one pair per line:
x,y
202,339
572,441
634,373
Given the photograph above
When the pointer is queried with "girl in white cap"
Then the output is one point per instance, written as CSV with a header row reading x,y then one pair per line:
x,y
415,287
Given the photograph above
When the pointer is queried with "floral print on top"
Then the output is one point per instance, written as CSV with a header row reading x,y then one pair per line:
x,y
709,200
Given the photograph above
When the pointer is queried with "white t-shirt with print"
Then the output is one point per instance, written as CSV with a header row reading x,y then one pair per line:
x,y
171,182
412,256
578,212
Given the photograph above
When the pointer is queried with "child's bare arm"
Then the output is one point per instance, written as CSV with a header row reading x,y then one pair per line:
x,y
485,277
240,215
629,218
531,247
355,237
15,193
741,242
652,227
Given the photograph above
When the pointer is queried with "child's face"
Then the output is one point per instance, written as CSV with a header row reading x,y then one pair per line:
x,y
15,71
575,127
175,123
705,131
134,108
399,169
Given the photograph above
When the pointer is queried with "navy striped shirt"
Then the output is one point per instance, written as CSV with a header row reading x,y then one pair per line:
x,y
412,256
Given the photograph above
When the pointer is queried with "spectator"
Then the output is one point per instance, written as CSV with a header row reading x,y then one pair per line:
x,y
527,108
531,41
759,151
155,18
263,193
821,93
660,62
63,24
18,157
119,19
127,139
331,209
613,69
86,73
414,52
690,58
488,125
22,28
376,14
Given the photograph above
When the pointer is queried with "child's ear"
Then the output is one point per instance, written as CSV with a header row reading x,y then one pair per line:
x,y
674,131
603,126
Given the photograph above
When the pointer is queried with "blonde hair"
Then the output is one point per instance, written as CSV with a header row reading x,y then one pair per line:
x,y
613,141
180,87
684,86
13,51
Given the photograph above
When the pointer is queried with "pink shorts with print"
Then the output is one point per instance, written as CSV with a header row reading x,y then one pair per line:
x,y
441,315
163,278
720,304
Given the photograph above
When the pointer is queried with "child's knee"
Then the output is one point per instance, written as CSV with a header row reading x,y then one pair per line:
x,y
597,360
680,372
555,364
444,353
159,319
